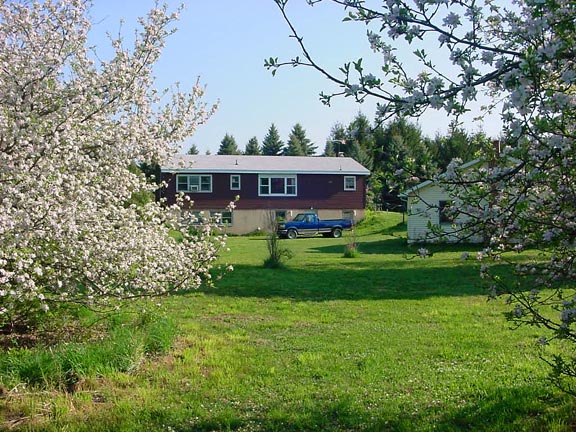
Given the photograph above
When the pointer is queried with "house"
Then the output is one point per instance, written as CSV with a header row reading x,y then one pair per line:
x,y
431,215
332,187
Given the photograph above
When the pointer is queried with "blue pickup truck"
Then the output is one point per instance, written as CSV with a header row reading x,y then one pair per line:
x,y
308,224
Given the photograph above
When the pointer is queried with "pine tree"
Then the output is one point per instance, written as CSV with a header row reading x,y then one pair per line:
x,y
299,133
360,132
253,148
193,150
329,149
294,147
228,146
272,145
458,143
337,141
358,153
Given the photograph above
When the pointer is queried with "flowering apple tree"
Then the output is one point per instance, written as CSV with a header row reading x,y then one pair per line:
x,y
520,56
71,125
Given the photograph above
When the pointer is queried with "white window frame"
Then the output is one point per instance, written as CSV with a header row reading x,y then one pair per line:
x,y
235,178
265,181
348,214
346,186
194,217
193,188
225,217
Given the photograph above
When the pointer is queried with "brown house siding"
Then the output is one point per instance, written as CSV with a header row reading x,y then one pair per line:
x,y
317,191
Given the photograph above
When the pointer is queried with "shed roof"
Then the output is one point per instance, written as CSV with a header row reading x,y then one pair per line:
x,y
427,183
413,190
264,165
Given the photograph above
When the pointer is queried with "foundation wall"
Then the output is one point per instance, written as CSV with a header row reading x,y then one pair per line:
x,y
247,221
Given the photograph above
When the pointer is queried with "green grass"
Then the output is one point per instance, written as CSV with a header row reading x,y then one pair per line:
x,y
381,342
117,343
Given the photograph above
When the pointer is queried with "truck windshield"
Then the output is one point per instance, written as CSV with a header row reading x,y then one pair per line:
x,y
299,217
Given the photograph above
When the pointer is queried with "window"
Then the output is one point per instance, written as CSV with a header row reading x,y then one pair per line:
x,y
280,215
194,183
197,217
221,217
234,182
193,217
277,186
349,183
348,214
446,212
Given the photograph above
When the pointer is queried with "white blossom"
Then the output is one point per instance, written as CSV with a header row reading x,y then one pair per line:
x,y
452,20
569,76
352,90
65,184
521,55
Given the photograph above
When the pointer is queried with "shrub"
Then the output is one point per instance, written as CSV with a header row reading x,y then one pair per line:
x,y
276,252
351,250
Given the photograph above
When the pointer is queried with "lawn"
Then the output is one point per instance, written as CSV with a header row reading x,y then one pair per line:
x,y
384,341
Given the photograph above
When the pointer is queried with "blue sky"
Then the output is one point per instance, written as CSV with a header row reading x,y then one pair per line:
x,y
225,42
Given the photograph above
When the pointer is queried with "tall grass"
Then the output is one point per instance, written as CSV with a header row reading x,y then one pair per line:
x,y
121,346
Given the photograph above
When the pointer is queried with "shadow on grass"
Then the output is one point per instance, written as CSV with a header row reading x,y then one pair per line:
x,y
352,280
397,230
397,246
394,246
511,409
522,408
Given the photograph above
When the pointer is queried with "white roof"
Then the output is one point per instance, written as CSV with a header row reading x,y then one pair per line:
x,y
264,164
427,183
465,166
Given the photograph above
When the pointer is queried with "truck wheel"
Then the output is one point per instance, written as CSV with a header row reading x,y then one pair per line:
x,y
291,234
337,232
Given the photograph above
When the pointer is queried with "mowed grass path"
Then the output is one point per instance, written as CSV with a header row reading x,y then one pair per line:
x,y
381,342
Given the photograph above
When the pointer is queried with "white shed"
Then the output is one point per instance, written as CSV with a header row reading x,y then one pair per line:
x,y
428,218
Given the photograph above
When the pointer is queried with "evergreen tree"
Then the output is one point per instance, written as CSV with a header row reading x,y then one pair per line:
x,y
329,149
360,154
151,170
294,147
336,142
403,158
361,139
272,145
228,146
360,129
299,133
193,150
457,144
355,140
253,148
